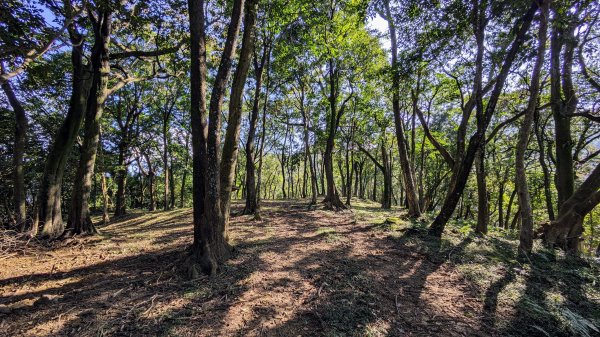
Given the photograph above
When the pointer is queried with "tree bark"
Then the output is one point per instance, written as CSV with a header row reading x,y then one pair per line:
x,y
18,154
561,85
526,232
463,167
48,202
251,189
566,230
210,246
79,216
483,208
407,170
232,134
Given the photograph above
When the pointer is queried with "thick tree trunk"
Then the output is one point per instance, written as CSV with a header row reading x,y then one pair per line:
x,y
48,203
18,154
199,260
567,229
561,86
211,246
79,216
526,233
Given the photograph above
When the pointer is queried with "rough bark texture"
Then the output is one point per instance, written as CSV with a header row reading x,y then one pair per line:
x,y
526,233
211,245
199,260
332,198
232,134
48,207
563,101
566,230
79,214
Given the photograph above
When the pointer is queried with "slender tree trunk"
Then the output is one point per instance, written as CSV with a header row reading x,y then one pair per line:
x,y
121,176
232,135
332,198
407,169
309,157
105,217
18,154
508,210
464,165
151,175
165,158
171,184
185,171
483,208
262,146
544,165
526,233
251,189
374,184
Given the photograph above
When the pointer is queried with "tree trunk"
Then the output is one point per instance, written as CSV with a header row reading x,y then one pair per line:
x,y
566,230
407,169
210,246
121,176
79,216
561,86
332,198
48,201
251,189
483,208
18,154
232,134
165,158
464,165
307,152
542,159
526,232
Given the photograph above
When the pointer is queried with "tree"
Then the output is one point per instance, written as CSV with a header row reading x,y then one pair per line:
x,y
526,235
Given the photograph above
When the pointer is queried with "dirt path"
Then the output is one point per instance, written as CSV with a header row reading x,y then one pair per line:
x,y
296,273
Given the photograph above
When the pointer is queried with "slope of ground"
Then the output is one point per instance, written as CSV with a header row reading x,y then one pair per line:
x,y
298,272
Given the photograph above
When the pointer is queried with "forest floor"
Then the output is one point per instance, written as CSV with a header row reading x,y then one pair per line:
x,y
298,272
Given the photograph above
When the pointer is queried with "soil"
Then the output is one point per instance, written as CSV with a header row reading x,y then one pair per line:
x,y
297,272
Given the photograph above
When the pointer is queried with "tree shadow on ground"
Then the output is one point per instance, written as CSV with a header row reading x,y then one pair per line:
x,y
286,278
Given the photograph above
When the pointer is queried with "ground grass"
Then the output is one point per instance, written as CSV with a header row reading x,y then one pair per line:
x,y
548,294
297,272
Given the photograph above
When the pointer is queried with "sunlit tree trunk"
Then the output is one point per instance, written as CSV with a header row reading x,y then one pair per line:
x,y
48,202
79,215
526,232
